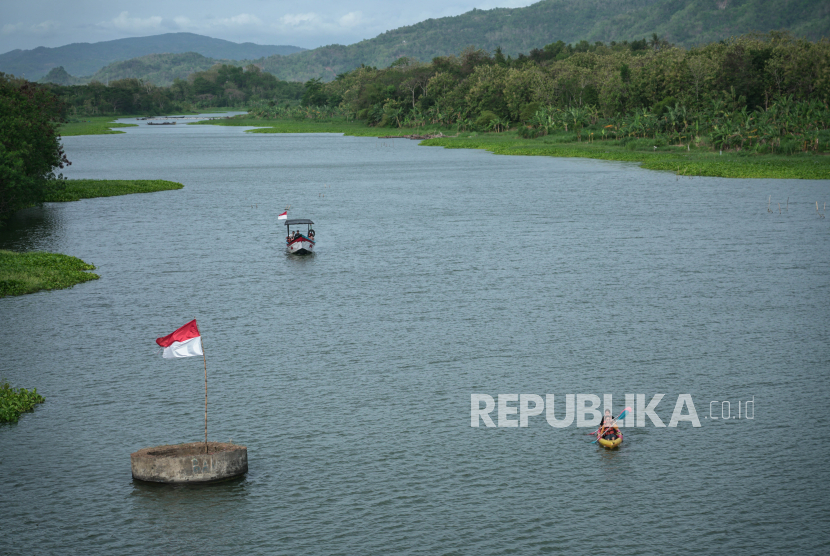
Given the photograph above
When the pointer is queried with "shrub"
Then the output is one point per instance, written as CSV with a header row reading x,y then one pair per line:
x,y
527,132
789,145
484,120
529,111
660,108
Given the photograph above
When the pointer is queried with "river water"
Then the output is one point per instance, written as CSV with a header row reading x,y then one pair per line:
x,y
348,374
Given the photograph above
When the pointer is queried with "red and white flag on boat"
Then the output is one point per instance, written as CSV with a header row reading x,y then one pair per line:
x,y
184,342
283,216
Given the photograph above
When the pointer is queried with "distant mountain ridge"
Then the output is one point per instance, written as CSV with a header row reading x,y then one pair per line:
x,y
84,59
516,30
684,22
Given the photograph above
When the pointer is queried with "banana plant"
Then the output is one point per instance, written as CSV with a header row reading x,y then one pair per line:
x,y
578,117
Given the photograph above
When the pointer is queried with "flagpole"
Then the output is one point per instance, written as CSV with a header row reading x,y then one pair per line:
x,y
205,361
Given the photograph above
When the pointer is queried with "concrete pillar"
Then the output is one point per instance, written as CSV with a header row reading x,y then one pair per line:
x,y
188,463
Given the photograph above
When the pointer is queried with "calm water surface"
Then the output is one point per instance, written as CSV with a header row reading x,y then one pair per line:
x,y
348,374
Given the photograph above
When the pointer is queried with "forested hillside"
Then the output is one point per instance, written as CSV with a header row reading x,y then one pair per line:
x,y
158,69
755,93
683,22
220,86
515,30
84,59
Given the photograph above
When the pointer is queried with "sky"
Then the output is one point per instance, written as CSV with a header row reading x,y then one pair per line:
x,y
27,24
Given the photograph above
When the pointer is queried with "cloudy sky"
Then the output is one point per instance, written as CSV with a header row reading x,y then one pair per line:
x,y
27,24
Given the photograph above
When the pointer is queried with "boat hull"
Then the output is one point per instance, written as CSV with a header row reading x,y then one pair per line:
x,y
609,444
301,247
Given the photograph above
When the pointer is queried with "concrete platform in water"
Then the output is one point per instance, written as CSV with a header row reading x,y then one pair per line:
x,y
188,463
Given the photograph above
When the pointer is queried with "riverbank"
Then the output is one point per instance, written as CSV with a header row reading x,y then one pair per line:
x,y
92,125
22,273
76,190
107,125
14,402
685,160
677,159
353,128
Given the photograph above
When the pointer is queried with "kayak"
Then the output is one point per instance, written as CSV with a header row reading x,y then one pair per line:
x,y
610,443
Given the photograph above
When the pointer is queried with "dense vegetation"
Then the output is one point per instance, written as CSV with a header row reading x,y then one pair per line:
x,y
220,86
30,149
75,190
22,273
767,93
14,402
84,59
684,22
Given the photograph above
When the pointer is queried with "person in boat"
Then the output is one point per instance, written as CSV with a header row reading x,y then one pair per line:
x,y
609,429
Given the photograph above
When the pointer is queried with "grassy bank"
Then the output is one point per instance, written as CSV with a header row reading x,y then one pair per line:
x,y
14,402
677,159
76,190
353,128
92,125
22,273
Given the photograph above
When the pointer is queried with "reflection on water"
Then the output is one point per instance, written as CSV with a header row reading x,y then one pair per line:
x,y
172,515
32,228
347,374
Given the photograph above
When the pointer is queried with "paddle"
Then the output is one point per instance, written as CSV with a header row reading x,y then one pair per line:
x,y
620,416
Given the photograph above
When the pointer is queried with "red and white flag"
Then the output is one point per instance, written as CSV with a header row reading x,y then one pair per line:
x,y
184,342
283,216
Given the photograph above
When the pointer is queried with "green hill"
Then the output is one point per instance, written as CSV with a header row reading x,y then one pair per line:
x,y
684,22
84,59
516,30
60,76
158,69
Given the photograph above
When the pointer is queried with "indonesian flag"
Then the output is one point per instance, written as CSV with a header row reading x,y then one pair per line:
x,y
184,342
283,216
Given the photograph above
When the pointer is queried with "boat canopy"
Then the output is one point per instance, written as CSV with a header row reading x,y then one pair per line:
x,y
298,221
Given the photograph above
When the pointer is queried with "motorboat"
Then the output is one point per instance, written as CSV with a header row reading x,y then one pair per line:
x,y
296,242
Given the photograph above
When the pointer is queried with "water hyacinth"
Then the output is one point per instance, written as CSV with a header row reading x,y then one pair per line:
x,y
14,402
22,273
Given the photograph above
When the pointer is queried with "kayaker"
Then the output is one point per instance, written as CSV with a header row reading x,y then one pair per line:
x,y
609,430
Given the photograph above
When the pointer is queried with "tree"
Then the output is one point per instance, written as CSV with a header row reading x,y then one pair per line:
x,y
30,148
314,94
700,68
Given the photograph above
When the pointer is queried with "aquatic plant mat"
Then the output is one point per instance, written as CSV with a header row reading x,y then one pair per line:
x,y
22,273
92,125
677,159
75,190
14,402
